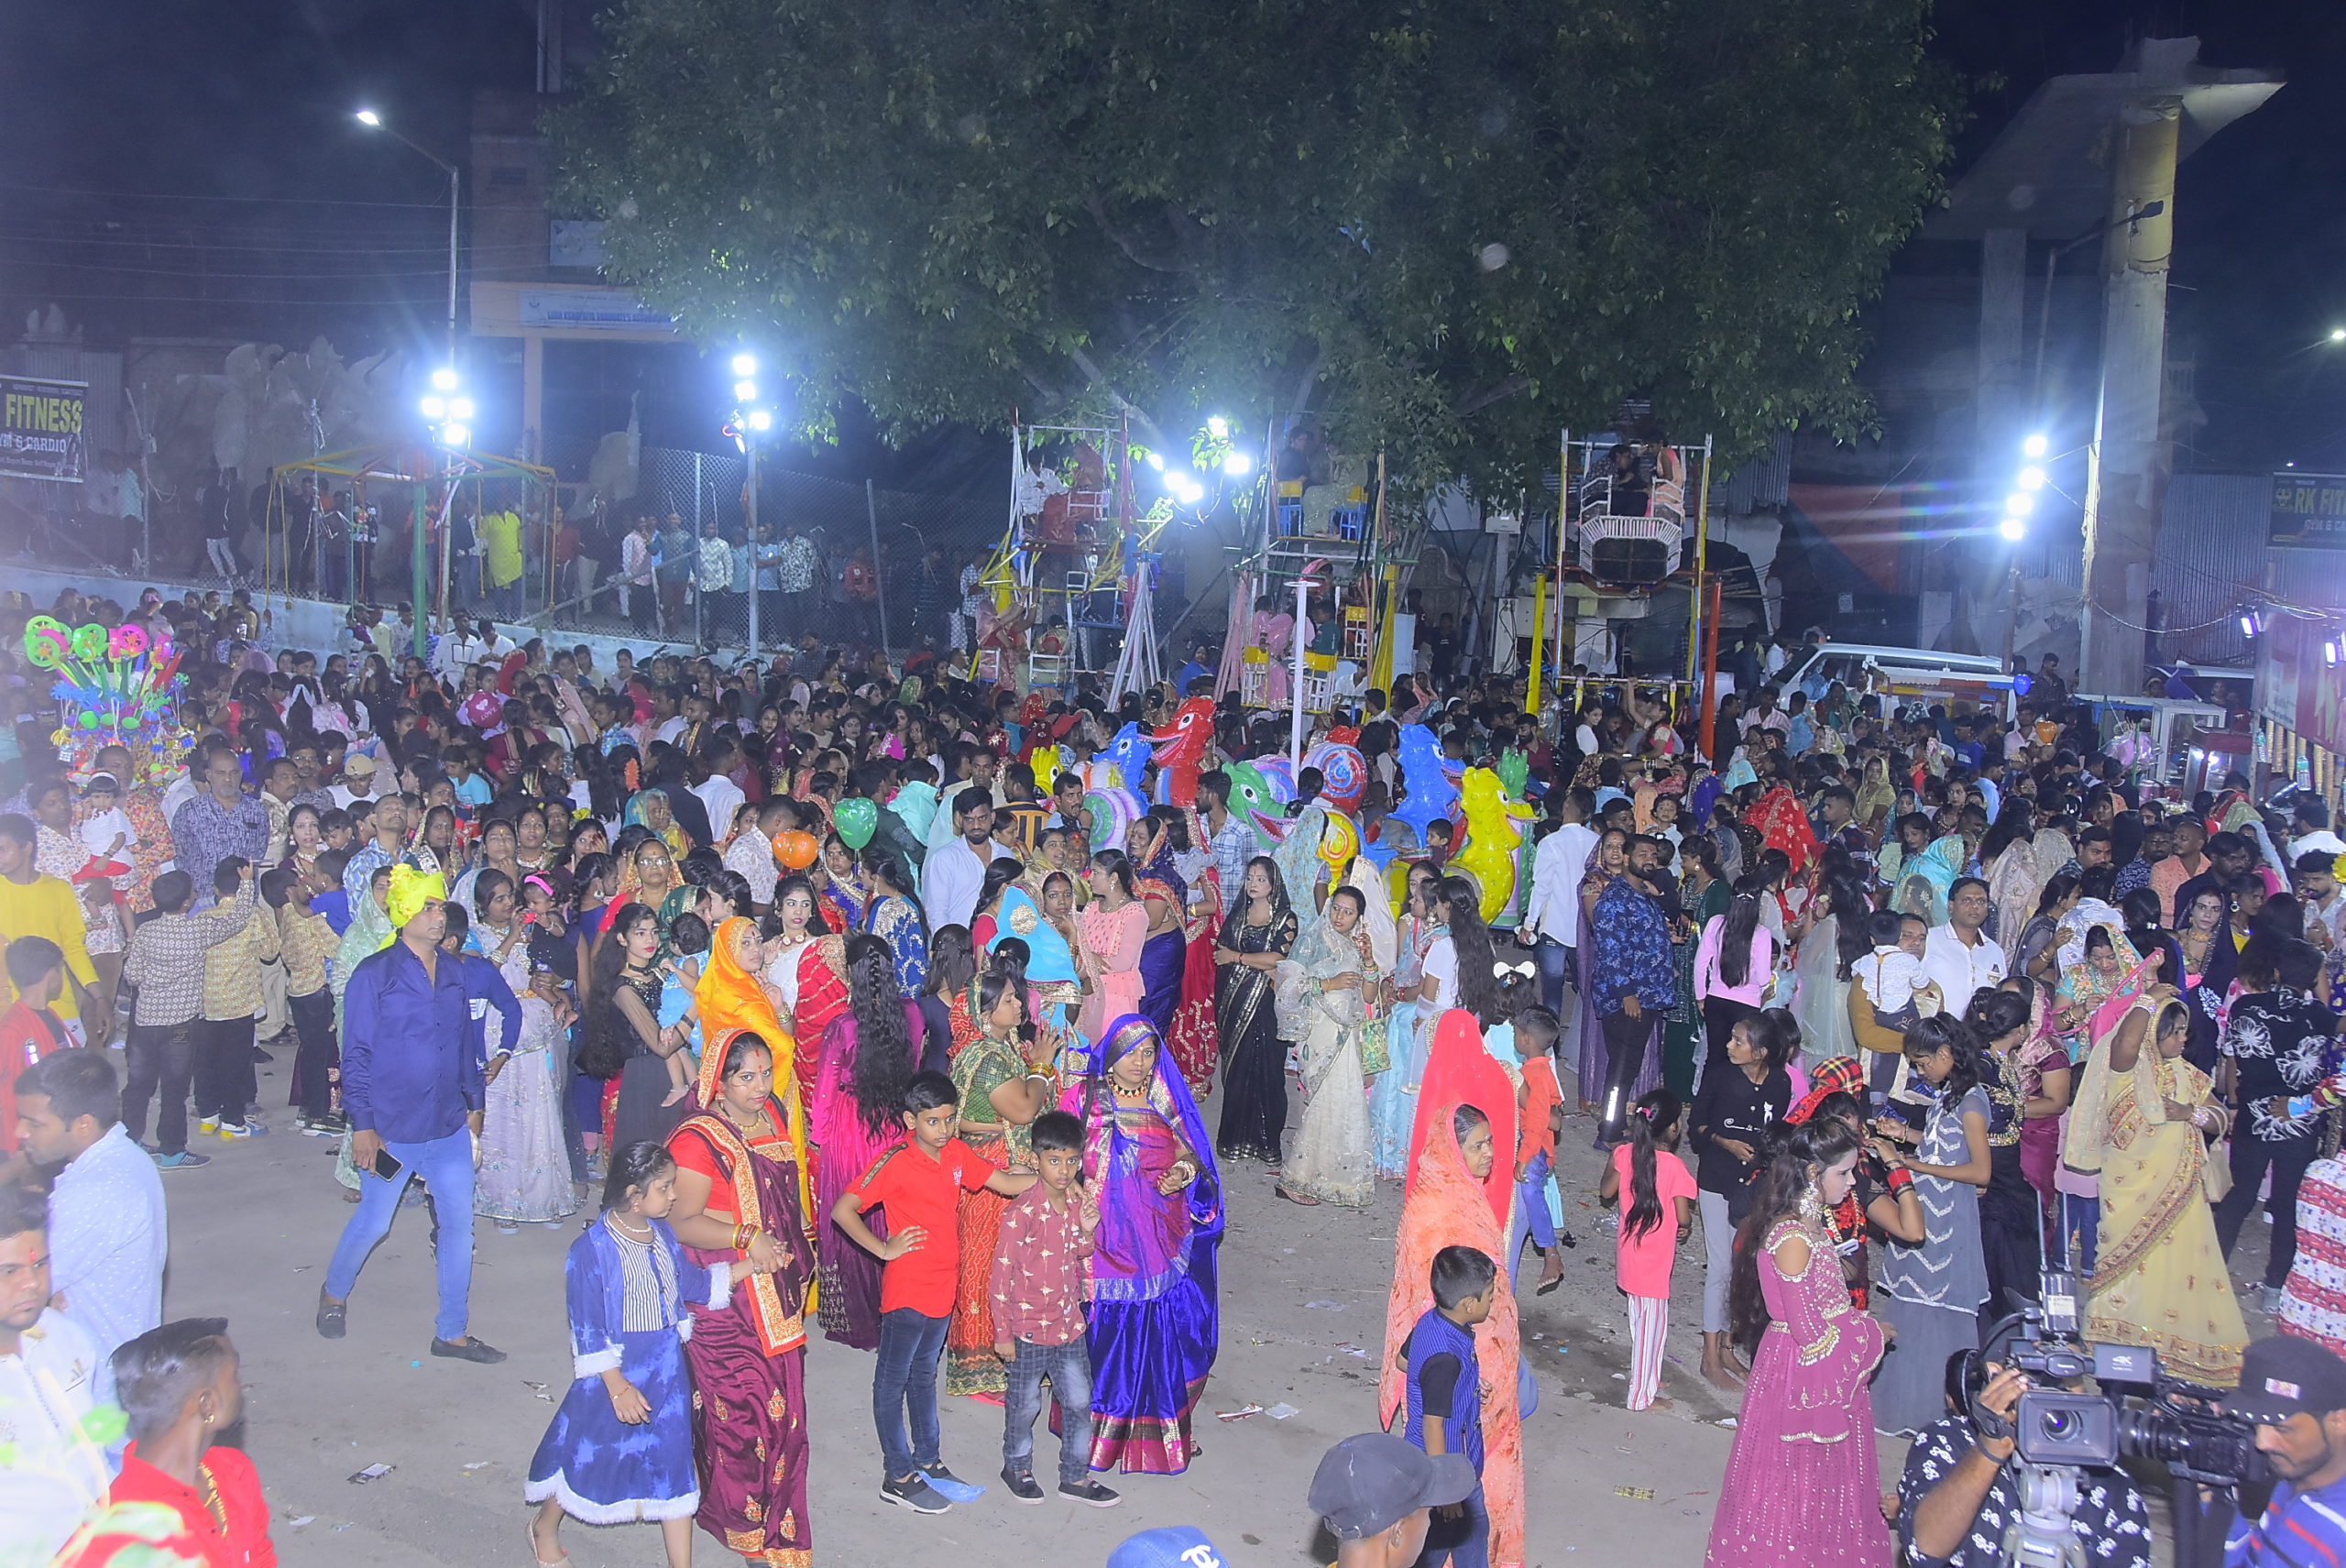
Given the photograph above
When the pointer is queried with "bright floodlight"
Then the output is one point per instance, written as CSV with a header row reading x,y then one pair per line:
x,y
745,365
1237,465
1217,427
761,420
2032,477
2338,334
2035,446
455,435
434,408
745,390
1185,489
2329,652
1156,462
2019,504
369,117
445,380
460,409
2012,527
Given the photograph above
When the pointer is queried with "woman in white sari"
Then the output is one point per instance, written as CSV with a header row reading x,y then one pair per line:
x,y
1326,987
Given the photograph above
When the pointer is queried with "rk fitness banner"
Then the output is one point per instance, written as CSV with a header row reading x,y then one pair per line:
x,y
40,430
2295,687
2308,511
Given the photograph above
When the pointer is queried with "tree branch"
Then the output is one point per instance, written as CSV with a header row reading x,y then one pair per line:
x,y
1138,415
1310,379
1098,210
1496,393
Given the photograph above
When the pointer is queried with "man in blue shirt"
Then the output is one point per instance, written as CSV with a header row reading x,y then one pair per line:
x,y
2295,1391
411,1087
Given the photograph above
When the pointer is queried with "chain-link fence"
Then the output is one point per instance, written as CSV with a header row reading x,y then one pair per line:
x,y
862,554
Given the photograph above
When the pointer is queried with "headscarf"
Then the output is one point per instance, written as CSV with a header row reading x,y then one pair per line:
x,y
1784,826
1159,868
2086,1143
1298,858
370,931
1459,1071
1049,959
1130,1261
730,998
1835,1075
1321,953
1383,933
1925,879
1446,1208
2054,851
672,834
410,891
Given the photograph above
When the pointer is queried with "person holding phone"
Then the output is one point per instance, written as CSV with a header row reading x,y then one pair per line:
x,y
412,1090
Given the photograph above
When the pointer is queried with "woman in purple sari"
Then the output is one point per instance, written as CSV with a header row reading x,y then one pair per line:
x,y
869,1053
1164,957
1154,1327
738,1200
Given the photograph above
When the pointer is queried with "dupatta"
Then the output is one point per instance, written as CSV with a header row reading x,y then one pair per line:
x,y
1446,1207
1460,1071
1321,954
731,1003
1136,1253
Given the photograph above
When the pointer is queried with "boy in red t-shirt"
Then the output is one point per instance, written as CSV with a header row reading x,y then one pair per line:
x,y
1537,1116
920,1184
28,1030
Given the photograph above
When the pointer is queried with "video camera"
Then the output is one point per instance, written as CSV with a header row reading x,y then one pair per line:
x,y
2137,1412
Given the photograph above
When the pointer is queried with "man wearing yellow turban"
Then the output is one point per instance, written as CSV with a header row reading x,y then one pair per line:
x,y
412,1090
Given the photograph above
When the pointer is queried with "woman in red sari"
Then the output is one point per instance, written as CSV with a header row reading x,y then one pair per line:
x,y
738,1182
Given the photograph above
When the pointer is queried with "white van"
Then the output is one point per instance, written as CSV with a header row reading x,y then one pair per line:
x,y
1906,674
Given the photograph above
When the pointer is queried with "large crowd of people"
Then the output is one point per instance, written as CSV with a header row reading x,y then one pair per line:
x,y
853,1000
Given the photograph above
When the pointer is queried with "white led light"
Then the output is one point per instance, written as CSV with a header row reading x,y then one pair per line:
x,y
761,420
2020,503
2032,477
445,380
433,408
745,390
1156,462
2035,446
1238,465
2012,527
745,365
455,435
460,408
1217,427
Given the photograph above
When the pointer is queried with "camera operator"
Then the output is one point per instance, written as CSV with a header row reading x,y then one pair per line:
x,y
1958,1496
2295,1391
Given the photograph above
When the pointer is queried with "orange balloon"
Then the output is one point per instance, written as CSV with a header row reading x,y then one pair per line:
x,y
794,849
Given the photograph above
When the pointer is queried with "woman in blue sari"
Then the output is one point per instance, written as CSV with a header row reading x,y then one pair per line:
x,y
1154,1326
894,917
1051,979
1393,1094
1164,957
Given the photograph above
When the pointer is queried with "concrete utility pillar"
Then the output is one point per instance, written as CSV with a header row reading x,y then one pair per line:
x,y
2126,482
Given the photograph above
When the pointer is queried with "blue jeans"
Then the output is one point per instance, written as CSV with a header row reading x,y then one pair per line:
x,y
447,1167
1555,969
904,1381
1462,1543
1069,1366
1532,1216
2081,1218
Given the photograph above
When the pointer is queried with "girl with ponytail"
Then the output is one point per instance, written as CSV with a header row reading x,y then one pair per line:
x,y
1657,1197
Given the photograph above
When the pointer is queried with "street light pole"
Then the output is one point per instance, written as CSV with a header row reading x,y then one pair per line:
x,y
374,121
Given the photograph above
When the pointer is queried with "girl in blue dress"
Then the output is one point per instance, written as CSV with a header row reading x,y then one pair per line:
x,y
621,1447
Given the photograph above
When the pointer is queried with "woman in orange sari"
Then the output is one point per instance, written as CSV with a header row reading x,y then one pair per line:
x,y
740,1172
1458,1196
731,1000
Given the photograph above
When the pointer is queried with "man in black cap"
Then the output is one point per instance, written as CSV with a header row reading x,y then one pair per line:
x,y
1378,1492
2294,1390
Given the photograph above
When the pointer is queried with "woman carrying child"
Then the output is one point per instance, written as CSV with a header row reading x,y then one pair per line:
x,y
620,1445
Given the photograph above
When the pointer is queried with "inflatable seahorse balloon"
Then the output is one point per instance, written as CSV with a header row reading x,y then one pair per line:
x,y
1252,800
1491,839
1344,773
1430,792
1181,749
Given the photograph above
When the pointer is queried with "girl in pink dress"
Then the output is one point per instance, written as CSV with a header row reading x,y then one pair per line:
x,y
1114,927
1802,1486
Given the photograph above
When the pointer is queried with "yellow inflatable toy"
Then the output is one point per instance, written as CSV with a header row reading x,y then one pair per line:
x,y
1492,839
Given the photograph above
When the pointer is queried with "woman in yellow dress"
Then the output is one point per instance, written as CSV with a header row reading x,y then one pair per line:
x,y
2144,1118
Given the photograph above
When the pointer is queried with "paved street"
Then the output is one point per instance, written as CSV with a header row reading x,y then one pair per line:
x,y
252,1233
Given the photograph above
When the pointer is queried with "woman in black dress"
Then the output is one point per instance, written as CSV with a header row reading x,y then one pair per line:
x,y
1258,935
625,1046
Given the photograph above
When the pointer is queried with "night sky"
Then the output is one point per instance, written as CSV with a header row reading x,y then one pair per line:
x,y
189,125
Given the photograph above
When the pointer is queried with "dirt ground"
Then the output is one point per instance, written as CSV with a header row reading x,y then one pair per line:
x,y
1302,1303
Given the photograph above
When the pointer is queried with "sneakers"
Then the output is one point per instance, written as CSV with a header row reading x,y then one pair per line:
x,y
333,1317
327,1126
1021,1487
1090,1492
2269,1298
182,1160
207,1125
231,1131
913,1492
467,1350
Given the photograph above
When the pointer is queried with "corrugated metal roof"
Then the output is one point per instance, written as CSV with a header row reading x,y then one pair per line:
x,y
1765,481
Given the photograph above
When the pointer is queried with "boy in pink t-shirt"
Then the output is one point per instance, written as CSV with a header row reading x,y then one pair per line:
x,y
1657,1197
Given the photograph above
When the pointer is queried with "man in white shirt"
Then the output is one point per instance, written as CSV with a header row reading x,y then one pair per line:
x,y
357,781
719,793
2311,819
1957,957
2325,908
457,649
49,1371
956,870
1551,921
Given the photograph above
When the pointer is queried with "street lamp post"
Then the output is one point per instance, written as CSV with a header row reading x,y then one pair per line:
x,y
374,121
749,421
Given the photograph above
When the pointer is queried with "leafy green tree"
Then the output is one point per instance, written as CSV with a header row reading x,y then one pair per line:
x,y
1449,225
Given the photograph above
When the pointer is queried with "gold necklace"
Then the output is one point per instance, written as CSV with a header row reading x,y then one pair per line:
x,y
212,1496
